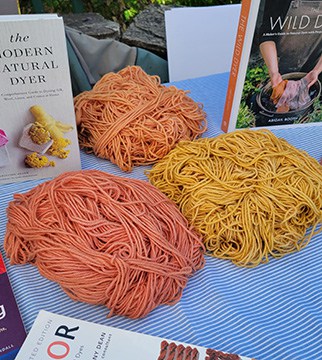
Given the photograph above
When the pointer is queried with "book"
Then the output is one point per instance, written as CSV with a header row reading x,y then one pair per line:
x,y
38,133
12,331
275,77
209,23
55,336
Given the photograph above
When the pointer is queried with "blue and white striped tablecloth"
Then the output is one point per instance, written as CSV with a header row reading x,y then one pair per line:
x,y
271,312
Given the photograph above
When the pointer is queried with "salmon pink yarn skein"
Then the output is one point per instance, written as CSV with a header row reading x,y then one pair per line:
x,y
106,240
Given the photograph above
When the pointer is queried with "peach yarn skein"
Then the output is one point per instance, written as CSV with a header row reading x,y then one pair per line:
x,y
131,119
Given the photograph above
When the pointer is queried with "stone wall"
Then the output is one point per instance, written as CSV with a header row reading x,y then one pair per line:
x,y
146,31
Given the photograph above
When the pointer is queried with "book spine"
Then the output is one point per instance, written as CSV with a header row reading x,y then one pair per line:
x,y
239,43
12,331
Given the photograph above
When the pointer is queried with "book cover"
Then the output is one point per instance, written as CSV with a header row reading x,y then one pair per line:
x,y
12,332
38,134
210,23
59,337
275,78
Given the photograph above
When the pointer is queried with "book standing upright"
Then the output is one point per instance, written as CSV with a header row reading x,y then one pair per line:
x,y
275,77
38,135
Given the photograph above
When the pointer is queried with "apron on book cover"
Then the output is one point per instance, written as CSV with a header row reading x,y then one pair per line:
x,y
300,48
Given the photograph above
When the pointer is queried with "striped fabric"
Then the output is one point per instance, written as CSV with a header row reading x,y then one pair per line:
x,y
271,312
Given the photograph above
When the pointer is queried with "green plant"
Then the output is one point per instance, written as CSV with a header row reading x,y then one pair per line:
x,y
198,2
255,77
315,115
49,6
245,118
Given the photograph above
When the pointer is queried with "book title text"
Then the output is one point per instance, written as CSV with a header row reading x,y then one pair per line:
x,y
296,23
32,71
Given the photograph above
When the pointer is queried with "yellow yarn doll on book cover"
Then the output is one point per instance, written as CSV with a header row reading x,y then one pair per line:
x,y
276,70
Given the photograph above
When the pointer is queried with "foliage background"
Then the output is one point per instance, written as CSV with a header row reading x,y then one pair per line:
x,y
122,11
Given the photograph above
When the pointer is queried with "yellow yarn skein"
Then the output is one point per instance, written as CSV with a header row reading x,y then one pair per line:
x,y
249,193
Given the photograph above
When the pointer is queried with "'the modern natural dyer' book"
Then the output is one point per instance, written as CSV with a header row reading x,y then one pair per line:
x,y
38,135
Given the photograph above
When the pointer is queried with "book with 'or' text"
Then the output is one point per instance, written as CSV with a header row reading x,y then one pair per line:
x,y
38,134
60,337
275,78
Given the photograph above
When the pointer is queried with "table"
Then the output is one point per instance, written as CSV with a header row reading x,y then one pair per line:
x,y
271,312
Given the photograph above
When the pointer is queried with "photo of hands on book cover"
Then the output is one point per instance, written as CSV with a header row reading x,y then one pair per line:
x,y
283,78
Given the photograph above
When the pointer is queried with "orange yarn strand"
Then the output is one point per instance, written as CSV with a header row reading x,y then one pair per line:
x,y
106,240
131,119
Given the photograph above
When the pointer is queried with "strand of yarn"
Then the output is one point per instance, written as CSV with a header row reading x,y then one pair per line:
x,y
249,193
106,240
131,119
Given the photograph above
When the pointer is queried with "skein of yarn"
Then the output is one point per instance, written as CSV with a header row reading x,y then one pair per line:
x,y
106,240
131,119
249,193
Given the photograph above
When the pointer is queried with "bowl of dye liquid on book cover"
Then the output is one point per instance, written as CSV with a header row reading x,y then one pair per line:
x,y
266,113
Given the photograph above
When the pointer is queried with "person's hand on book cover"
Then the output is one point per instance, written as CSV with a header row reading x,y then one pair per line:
x,y
278,91
269,54
295,96
287,95
313,75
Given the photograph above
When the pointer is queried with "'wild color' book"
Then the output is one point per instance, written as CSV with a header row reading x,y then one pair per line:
x,y
38,134
275,78
12,331
59,337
